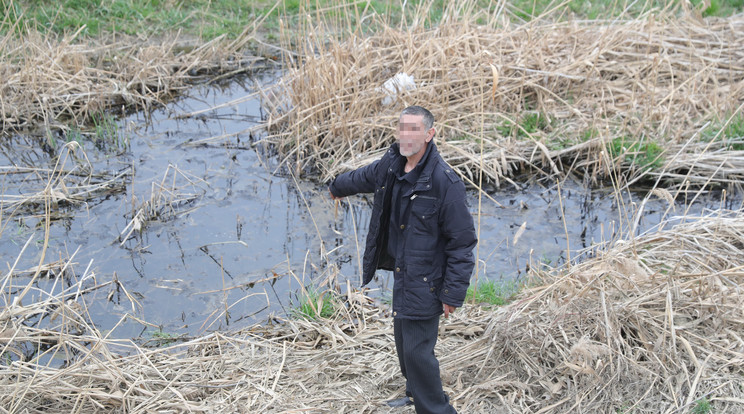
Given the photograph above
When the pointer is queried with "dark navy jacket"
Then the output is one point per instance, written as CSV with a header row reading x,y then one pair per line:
x,y
435,260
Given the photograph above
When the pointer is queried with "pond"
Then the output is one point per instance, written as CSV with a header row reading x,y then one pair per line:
x,y
232,238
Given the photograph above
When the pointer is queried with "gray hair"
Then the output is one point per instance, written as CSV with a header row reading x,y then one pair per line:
x,y
421,111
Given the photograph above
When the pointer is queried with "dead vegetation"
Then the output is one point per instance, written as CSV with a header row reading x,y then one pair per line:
x,y
650,325
57,83
172,197
551,98
71,182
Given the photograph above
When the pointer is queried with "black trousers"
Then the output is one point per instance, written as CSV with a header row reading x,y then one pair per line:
x,y
414,342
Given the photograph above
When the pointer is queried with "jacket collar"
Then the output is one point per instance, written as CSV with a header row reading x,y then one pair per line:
x,y
428,161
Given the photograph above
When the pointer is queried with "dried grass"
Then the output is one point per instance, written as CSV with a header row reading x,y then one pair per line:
x,y
168,199
55,83
657,79
650,325
71,181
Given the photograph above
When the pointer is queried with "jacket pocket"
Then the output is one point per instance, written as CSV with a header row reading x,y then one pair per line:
x,y
421,298
422,281
424,213
423,223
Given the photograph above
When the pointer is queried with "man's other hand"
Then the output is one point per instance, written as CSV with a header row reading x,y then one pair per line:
x,y
447,310
333,197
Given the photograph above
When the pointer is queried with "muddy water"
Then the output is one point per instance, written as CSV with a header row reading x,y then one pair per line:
x,y
246,236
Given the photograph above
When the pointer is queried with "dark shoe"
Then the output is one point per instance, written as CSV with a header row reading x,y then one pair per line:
x,y
400,402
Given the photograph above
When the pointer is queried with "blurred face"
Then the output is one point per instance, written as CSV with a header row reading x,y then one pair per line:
x,y
413,135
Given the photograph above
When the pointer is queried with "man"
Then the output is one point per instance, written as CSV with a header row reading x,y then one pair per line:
x,y
420,229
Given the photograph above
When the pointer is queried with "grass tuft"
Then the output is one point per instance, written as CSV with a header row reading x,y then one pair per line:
x,y
107,132
493,293
316,305
529,124
642,154
731,135
161,338
702,406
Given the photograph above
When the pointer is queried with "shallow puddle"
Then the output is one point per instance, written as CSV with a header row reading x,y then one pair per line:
x,y
232,239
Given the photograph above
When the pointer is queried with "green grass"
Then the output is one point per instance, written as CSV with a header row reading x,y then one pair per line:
x,y
639,153
560,140
589,134
732,134
529,124
107,134
588,9
702,406
316,305
163,338
74,134
494,293
210,18
135,17
204,18
719,7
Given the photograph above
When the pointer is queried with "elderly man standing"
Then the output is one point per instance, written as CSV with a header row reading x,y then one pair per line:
x,y
421,230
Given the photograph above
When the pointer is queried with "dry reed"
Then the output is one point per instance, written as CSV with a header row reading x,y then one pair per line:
x,y
55,83
70,182
555,95
173,196
73,182
650,325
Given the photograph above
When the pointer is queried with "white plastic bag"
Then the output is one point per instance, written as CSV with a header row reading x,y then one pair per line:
x,y
398,83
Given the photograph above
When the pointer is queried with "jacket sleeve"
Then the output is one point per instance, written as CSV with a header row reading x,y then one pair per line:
x,y
460,239
361,180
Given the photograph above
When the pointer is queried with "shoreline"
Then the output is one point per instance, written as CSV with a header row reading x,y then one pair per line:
x,y
637,318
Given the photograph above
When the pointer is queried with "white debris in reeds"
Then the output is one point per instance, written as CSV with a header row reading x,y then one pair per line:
x,y
650,325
